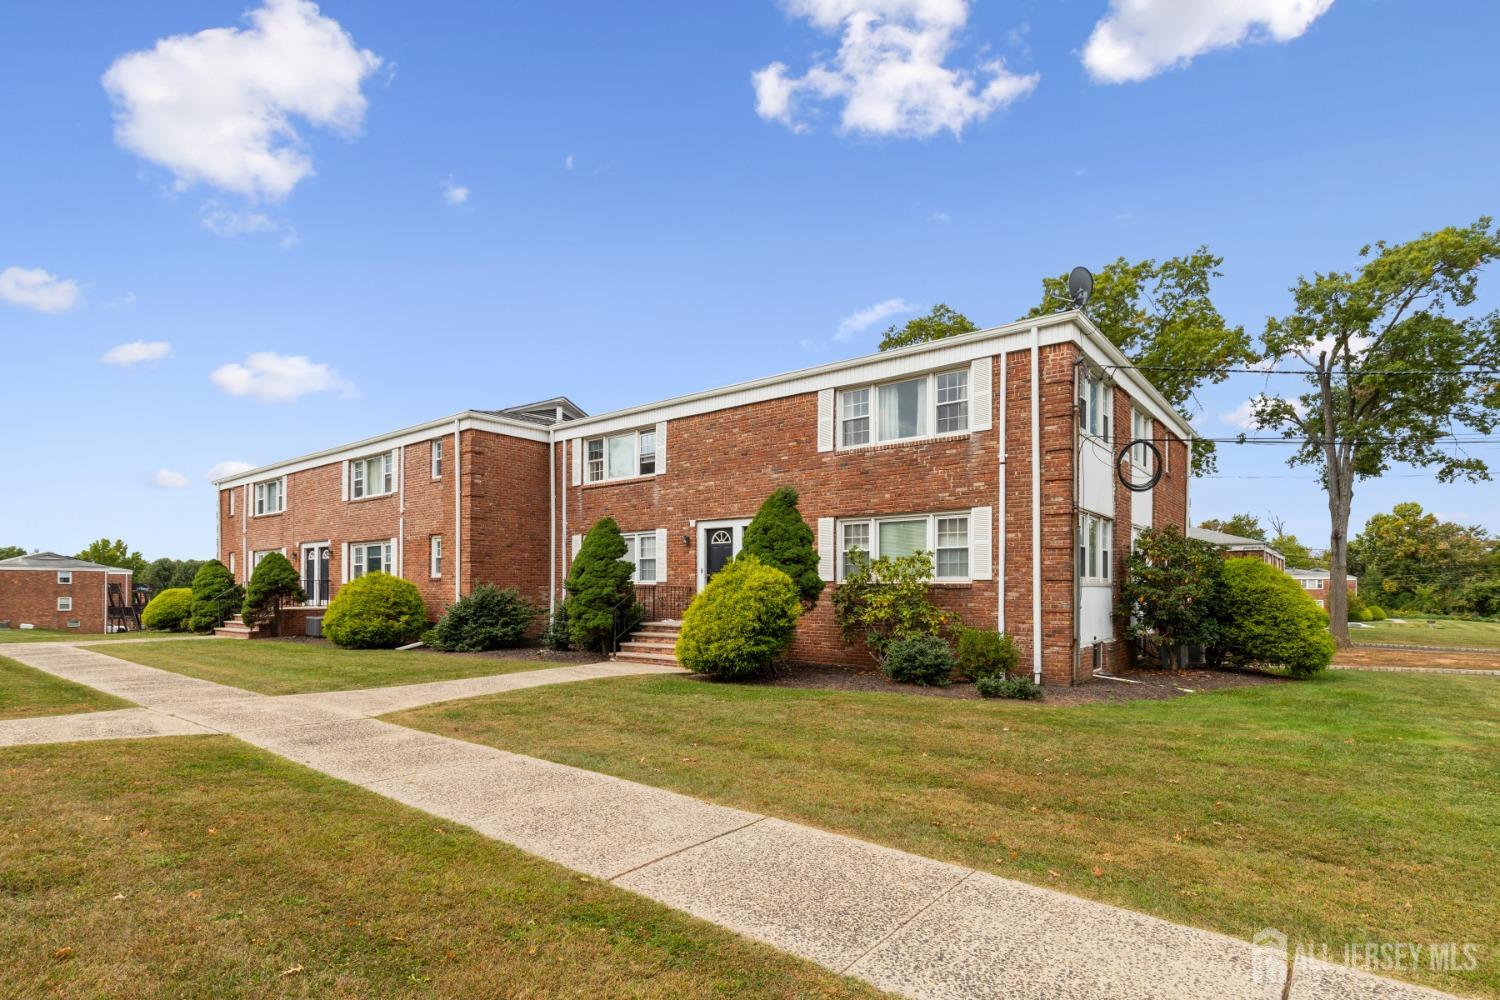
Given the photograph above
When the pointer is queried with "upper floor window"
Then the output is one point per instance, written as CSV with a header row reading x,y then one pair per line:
x,y
1094,396
373,476
64,577
65,604
436,554
1141,429
620,456
437,458
640,552
231,503
944,536
1095,535
270,497
937,403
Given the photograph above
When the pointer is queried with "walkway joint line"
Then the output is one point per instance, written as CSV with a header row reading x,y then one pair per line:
x,y
907,922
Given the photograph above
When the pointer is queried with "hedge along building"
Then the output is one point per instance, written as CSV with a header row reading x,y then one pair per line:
x,y
47,590
995,451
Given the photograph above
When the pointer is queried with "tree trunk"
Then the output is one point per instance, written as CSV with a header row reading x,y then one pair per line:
x,y
1336,602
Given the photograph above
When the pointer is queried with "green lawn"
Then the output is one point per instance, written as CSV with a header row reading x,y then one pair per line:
x,y
272,667
53,635
1442,632
200,866
1352,807
25,692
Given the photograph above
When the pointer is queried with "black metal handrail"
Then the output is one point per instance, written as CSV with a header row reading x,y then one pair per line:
x,y
660,602
321,585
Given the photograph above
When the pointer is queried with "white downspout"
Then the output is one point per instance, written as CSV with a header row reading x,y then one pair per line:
x,y
1036,505
401,511
567,484
552,517
1000,590
458,513
244,529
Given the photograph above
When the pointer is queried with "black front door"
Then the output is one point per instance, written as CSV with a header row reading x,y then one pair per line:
x,y
720,549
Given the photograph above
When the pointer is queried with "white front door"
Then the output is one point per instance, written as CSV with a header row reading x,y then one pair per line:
x,y
718,543
315,560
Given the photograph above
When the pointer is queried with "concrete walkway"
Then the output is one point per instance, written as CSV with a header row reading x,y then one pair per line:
x,y
1459,671
907,924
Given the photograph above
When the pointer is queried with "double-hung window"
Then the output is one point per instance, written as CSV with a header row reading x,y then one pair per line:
x,y
435,547
64,577
1095,399
231,503
372,476
936,403
369,557
1141,429
620,456
270,497
437,458
65,604
640,552
945,537
1095,536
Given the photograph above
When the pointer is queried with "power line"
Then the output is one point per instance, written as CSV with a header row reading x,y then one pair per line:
x,y
1306,372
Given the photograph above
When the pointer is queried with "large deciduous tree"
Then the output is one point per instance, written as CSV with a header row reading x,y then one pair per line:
x,y
1244,525
939,323
11,551
1393,374
114,553
1414,560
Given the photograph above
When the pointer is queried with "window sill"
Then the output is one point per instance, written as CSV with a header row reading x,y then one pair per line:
x,y
924,439
1089,581
621,482
274,513
371,496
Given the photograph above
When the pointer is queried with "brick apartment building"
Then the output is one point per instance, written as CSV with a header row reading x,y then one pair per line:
x,y
1315,582
996,451
1240,547
46,590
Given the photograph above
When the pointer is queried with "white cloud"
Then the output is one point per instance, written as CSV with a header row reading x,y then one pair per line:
x,y
454,194
229,222
569,162
1138,39
169,480
863,319
941,217
278,378
137,351
37,289
889,71
217,107
228,468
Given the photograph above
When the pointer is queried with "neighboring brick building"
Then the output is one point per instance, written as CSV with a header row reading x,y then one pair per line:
x,y
1315,582
46,590
1237,546
941,447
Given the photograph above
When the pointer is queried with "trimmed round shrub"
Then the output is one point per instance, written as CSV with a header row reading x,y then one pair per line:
x,y
1269,619
1022,688
922,659
984,652
215,596
487,618
375,611
742,622
169,611
1376,613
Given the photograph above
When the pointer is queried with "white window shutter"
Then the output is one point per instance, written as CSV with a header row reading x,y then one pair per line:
x,y
344,564
661,447
345,484
661,546
981,394
577,445
827,549
577,544
981,534
825,419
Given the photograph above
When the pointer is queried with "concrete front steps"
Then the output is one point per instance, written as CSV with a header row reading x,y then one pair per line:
x,y
235,628
653,642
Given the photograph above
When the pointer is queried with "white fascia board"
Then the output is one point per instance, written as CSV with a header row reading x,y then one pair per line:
x,y
1098,348
918,358
468,420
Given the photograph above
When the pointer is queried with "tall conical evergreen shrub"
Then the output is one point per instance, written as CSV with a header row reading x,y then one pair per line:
x,y
215,596
275,582
598,582
778,537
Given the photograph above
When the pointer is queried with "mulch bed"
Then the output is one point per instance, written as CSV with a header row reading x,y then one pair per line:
x,y
1150,684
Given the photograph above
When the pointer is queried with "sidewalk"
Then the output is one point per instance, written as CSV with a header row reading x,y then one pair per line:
x,y
907,924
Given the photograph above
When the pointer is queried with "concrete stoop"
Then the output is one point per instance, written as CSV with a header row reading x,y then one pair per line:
x,y
653,642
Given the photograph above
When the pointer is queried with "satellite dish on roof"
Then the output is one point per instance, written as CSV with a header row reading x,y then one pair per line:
x,y
1080,287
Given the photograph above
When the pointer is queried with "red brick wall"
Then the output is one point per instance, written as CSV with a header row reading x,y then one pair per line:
x,y
504,510
30,596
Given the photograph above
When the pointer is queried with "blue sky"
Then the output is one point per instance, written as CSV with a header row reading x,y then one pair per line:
x,y
639,219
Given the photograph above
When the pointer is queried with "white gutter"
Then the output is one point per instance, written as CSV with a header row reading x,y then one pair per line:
x,y
552,520
401,511
458,513
1000,575
1036,506
244,530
